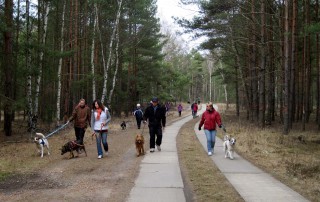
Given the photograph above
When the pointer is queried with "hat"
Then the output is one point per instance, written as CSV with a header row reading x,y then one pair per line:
x,y
154,99
138,105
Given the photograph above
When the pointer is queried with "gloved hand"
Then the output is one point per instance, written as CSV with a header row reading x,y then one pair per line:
x,y
223,128
199,128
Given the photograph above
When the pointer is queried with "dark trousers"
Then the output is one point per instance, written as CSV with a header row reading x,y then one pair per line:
x,y
155,136
79,134
139,122
179,113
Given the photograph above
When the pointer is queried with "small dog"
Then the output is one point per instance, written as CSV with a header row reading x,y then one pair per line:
x,y
139,141
228,145
72,146
123,125
41,142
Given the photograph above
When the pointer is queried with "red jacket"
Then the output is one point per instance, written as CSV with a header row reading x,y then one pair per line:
x,y
195,107
210,120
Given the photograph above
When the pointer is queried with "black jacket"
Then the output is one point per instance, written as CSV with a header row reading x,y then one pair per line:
x,y
156,118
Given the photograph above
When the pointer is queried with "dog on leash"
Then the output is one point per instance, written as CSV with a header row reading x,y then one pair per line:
x,y
228,146
72,146
139,141
41,142
123,125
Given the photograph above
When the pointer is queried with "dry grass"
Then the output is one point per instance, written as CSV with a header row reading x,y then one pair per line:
x,y
294,159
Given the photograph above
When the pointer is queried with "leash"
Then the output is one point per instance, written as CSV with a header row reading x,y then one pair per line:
x,y
53,132
144,125
94,133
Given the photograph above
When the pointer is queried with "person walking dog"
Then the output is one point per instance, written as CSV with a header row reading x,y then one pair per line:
x,y
100,120
81,116
155,114
210,118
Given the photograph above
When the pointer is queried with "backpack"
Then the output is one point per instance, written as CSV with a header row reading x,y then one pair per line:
x,y
138,114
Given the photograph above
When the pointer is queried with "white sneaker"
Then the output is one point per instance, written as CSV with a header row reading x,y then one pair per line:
x,y
100,156
158,147
151,149
209,153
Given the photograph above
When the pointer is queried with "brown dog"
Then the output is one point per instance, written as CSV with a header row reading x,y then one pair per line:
x,y
139,141
72,146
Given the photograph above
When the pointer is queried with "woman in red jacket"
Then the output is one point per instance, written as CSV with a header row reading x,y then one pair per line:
x,y
210,118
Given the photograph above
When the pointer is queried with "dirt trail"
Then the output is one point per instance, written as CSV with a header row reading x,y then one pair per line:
x,y
84,178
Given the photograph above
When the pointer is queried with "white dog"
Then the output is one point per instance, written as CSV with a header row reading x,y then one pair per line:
x,y
228,145
41,142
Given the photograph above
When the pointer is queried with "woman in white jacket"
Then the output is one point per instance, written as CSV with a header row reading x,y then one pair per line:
x,y
100,119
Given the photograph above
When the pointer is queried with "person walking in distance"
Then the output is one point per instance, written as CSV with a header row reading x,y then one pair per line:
x,y
100,119
81,116
180,109
156,117
195,109
210,118
139,115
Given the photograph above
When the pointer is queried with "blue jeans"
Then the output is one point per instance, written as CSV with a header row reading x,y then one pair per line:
x,y
104,141
211,139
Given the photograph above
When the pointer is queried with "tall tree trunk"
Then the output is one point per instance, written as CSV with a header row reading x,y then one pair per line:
x,y
104,91
117,66
254,101
308,82
262,73
28,67
224,87
60,65
292,91
7,67
92,61
286,68
318,69
210,68
270,116
43,42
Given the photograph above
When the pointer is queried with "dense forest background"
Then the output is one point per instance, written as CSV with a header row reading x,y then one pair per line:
x,y
262,56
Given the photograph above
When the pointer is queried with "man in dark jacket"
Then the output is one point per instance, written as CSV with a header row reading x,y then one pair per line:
x,y
156,115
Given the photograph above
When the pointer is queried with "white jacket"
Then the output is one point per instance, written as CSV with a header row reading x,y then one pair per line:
x,y
104,118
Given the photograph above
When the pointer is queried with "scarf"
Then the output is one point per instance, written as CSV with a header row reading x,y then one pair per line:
x,y
98,113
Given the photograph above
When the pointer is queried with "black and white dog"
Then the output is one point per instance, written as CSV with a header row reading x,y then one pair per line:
x,y
41,142
228,146
123,125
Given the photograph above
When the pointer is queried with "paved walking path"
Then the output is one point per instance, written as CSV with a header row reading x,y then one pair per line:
x,y
160,178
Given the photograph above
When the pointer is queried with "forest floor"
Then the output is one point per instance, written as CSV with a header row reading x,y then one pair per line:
x,y
24,176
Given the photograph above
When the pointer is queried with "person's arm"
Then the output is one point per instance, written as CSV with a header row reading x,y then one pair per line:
x,y
218,119
145,115
164,119
202,121
74,114
108,117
